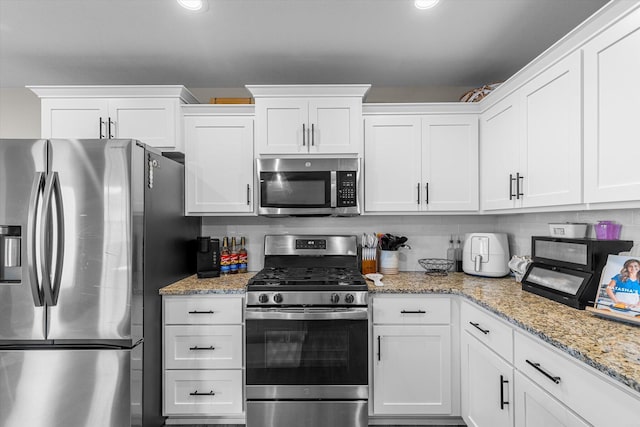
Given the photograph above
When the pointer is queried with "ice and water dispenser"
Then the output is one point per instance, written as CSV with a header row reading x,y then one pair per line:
x,y
10,254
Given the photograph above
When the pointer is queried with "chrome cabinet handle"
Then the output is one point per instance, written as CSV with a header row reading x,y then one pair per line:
x,y
413,312
111,122
304,133
518,178
313,136
426,193
511,179
248,194
502,401
196,348
201,312
32,219
196,393
418,187
543,372
100,124
477,326
379,349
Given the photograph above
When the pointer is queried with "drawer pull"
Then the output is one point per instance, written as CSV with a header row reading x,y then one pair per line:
x,y
196,393
413,312
543,372
477,326
201,312
195,348
502,401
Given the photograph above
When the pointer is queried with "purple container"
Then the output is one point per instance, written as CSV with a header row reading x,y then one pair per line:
x,y
607,230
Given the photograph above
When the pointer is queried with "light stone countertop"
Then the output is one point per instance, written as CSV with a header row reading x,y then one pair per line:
x,y
609,346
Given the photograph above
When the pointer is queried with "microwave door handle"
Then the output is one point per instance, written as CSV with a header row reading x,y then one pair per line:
x,y
334,189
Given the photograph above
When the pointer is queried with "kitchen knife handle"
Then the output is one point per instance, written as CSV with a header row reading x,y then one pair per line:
x,y
502,401
543,372
477,326
304,133
101,123
511,179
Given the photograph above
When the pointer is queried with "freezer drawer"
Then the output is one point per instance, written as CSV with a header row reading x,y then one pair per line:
x,y
63,388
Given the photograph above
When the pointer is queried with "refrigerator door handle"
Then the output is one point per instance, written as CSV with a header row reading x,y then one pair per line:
x,y
32,221
51,190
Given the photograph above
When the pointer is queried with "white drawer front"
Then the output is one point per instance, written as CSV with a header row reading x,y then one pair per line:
x,y
580,388
203,392
411,309
202,310
489,330
203,347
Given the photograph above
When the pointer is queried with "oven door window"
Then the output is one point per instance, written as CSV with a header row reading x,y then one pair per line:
x,y
295,189
299,352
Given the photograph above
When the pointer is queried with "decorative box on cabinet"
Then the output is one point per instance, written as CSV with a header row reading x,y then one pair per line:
x,y
611,91
487,371
531,142
429,163
150,114
219,163
203,368
316,119
412,356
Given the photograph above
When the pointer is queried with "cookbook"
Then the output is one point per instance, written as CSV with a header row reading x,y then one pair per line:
x,y
619,291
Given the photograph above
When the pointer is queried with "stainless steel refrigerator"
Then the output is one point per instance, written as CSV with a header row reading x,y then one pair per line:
x,y
89,231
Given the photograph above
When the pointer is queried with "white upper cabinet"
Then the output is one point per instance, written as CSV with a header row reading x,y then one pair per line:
x,y
317,119
219,164
150,114
421,163
530,143
611,93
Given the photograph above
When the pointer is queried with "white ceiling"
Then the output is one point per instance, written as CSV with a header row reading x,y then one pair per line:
x,y
238,42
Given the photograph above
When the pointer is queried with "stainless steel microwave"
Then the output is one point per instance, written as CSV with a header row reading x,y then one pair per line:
x,y
308,187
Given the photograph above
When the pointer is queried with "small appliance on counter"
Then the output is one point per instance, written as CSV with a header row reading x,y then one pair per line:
x,y
568,270
208,257
486,254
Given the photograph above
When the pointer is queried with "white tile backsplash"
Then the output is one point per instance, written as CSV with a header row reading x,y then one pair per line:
x,y
428,235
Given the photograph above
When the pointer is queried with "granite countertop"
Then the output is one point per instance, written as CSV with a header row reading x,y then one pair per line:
x,y
611,347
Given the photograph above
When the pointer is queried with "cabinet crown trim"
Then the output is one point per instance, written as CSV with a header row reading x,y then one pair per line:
x,y
292,91
134,91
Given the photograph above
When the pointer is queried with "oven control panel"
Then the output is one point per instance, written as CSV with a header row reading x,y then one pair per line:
x,y
311,244
306,298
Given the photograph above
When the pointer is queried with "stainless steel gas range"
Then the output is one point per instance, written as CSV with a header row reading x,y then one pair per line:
x,y
306,335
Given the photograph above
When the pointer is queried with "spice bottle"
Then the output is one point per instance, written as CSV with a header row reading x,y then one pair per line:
x,y
233,261
458,252
225,257
451,255
243,258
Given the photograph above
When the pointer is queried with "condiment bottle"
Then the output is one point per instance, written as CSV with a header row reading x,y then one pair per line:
x,y
458,253
233,260
225,257
451,255
242,257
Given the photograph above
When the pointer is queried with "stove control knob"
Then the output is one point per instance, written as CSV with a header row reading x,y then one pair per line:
x,y
263,298
335,298
349,299
277,298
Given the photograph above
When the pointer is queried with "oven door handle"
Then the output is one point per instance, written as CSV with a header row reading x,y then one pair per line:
x,y
288,313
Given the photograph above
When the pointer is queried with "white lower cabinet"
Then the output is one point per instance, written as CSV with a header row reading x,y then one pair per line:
x,y
412,356
203,367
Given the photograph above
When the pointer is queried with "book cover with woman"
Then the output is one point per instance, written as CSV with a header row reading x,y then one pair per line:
x,y
620,286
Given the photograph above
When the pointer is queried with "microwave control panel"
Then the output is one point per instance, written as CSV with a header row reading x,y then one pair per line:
x,y
347,189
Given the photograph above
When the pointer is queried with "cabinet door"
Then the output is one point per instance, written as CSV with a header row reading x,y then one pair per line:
x,y
335,125
392,164
412,370
487,386
74,118
534,407
551,153
279,126
450,163
152,121
611,93
219,164
499,154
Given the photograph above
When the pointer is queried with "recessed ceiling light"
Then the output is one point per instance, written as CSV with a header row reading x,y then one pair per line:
x,y
193,5
425,4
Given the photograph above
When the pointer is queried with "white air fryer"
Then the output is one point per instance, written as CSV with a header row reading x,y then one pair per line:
x,y
486,254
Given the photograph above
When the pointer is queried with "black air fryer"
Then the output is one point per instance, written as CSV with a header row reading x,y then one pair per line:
x,y
208,257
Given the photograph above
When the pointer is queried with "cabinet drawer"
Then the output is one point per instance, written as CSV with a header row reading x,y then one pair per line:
x,y
203,392
582,389
202,310
201,347
489,330
411,310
